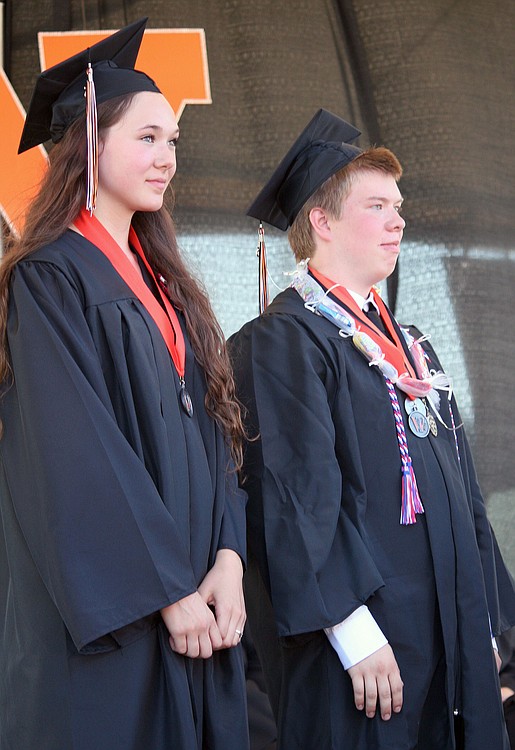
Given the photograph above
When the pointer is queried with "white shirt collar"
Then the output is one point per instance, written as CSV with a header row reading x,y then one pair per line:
x,y
363,303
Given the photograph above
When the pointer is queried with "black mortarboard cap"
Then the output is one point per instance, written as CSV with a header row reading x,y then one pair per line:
x,y
58,98
320,151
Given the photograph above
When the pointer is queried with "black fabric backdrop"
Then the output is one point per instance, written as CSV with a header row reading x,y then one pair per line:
x,y
434,81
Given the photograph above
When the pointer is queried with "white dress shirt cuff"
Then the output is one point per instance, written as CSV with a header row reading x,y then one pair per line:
x,y
357,637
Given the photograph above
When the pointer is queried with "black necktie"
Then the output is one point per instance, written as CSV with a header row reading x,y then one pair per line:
x,y
376,319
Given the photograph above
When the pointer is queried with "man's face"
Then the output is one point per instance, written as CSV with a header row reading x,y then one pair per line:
x,y
366,239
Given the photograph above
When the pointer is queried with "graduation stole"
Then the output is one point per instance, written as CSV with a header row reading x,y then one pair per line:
x,y
315,299
165,319
392,350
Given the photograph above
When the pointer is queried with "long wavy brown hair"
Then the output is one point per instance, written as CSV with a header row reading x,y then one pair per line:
x,y
61,196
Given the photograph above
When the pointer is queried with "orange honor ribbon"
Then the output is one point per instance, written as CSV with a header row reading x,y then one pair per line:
x,y
165,317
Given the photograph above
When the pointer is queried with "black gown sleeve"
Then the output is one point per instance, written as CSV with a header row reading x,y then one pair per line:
x,y
499,584
233,529
106,547
312,558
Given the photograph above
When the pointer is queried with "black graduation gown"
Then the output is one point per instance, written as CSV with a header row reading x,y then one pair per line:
x,y
113,505
324,485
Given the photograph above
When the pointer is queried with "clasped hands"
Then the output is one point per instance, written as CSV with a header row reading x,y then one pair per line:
x,y
213,617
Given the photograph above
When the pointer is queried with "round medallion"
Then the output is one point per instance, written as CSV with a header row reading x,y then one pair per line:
x,y
415,404
418,424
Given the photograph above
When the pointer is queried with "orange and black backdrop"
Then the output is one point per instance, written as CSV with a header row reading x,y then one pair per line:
x,y
434,80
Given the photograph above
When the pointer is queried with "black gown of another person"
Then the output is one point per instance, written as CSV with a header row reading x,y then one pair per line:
x,y
507,676
324,535
114,503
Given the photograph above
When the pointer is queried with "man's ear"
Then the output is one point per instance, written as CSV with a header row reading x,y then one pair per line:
x,y
320,223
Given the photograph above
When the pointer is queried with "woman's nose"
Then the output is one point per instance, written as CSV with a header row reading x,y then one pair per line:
x,y
166,157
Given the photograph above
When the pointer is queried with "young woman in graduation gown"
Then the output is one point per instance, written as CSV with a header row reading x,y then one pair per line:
x,y
122,528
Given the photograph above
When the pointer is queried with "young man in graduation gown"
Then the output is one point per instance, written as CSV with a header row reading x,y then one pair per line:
x,y
375,584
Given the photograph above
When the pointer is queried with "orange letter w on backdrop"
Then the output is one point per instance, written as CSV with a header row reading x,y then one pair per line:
x,y
175,58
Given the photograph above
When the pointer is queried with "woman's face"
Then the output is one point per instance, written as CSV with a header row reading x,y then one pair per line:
x,y
137,157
